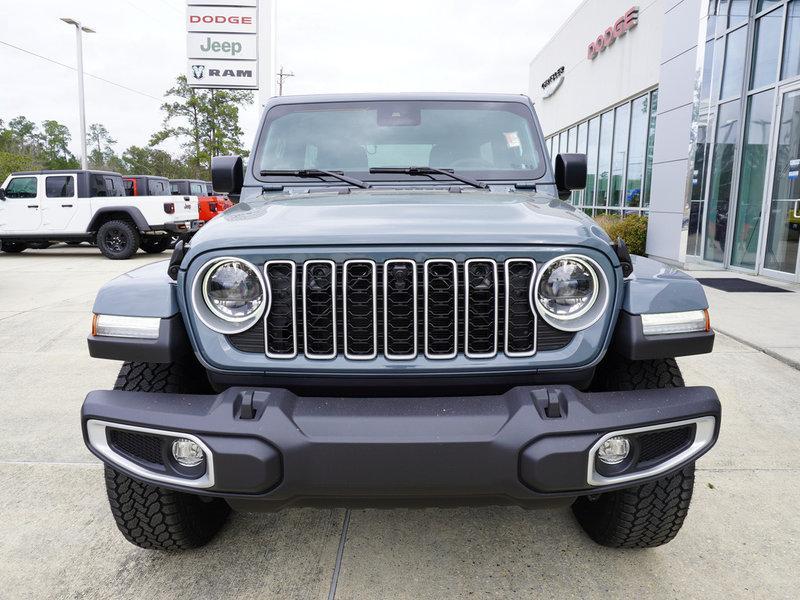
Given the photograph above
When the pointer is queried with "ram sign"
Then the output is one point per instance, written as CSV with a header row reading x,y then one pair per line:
x,y
222,44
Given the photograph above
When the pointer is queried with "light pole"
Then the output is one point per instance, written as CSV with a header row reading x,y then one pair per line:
x,y
79,29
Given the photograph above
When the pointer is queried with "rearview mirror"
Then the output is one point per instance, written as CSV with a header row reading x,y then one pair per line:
x,y
570,174
2,194
227,174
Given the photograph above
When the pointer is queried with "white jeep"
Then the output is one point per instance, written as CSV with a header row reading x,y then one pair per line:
x,y
38,208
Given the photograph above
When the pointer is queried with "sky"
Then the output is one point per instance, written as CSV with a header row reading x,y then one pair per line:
x,y
349,46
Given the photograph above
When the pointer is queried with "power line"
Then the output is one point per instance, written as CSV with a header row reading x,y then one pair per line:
x,y
114,83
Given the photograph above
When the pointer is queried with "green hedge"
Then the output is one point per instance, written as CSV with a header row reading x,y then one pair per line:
x,y
632,229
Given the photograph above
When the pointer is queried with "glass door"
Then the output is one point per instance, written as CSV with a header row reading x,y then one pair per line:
x,y
782,237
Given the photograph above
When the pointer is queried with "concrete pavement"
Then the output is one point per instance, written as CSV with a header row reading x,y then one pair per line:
x,y
57,538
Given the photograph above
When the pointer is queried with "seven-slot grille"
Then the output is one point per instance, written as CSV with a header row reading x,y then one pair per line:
x,y
400,309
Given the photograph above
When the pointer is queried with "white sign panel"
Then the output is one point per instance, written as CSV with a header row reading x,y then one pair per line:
x,y
222,2
222,19
222,45
240,74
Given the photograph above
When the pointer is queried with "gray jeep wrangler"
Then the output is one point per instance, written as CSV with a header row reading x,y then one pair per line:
x,y
400,311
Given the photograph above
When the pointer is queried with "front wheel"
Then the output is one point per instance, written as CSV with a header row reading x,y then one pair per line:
x,y
650,514
117,240
150,516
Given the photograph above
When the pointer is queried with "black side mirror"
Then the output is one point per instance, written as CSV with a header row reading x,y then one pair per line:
x,y
2,194
570,174
227,174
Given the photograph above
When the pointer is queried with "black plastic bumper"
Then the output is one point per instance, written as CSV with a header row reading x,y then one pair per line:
x,y
272,448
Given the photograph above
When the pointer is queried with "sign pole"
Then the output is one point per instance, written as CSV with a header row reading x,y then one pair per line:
x,y
267,46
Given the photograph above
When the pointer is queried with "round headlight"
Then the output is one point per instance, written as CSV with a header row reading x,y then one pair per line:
x,y
233,291
567,288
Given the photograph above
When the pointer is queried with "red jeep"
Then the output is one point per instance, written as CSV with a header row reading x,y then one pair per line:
x,y
210,205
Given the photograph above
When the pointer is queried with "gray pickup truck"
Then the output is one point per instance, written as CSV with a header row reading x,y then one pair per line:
x,y
400,312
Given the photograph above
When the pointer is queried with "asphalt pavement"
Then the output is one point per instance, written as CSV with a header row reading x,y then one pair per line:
x,y
58,540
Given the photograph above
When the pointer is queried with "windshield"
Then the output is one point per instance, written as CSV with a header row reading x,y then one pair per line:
x,y
486,140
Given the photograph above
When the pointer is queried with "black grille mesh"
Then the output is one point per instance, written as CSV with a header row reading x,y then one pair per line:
x,y
320,319
440,300
280,321
397,339
360,308
142,446
521,320
657,445
481,290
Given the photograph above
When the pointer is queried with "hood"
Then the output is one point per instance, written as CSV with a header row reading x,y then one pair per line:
x,y
400,217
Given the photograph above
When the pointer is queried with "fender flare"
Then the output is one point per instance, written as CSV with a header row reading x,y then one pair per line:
x,y
131,211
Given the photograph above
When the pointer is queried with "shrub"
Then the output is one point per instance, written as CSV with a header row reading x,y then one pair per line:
x,y
632,229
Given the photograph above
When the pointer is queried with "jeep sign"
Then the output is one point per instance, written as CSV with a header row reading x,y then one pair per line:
x,y
221,45
620,27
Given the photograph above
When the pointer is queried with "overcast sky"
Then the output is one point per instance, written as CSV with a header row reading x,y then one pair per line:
x,y
345,46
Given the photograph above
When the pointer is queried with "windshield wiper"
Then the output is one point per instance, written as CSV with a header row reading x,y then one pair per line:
x,y
317,174
430,171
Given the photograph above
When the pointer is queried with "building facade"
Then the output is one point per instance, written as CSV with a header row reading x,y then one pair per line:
x,y
689,112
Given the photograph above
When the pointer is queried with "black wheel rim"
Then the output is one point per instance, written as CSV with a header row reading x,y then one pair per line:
x,y
116,240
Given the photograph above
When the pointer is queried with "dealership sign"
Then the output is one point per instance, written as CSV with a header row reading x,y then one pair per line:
x,y
620,27
222,44
552,83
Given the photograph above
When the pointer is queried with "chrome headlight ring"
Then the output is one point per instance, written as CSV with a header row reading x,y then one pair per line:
x,y
215,320
586,316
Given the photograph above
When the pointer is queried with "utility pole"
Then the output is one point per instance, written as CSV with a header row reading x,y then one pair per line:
x,y
79,30
281,77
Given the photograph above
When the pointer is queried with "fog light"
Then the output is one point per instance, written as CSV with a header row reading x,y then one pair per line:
x,y
614,450
187,453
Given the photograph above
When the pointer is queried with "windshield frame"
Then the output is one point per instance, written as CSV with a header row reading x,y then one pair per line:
x,y
520,108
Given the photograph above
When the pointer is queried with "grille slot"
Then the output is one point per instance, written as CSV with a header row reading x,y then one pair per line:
x,y
520,322
660,444
360,309
142,446
480,308
319,309
441,308
400,309
280,325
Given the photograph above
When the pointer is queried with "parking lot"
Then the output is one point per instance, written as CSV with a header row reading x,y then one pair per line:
x,y
58,540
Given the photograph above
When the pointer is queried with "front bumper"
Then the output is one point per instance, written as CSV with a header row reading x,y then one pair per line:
x,y
270,448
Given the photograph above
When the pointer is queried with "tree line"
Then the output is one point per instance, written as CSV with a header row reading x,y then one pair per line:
x,y
205,123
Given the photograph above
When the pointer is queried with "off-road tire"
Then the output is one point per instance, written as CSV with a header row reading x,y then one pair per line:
x,y
118,240
155,244
650,514
150,516
13,247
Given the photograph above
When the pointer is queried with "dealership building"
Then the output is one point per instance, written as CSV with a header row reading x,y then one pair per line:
x,y
689,112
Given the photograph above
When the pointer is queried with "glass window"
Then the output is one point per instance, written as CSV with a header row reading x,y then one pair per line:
x,y
733,70
791,45
114,186
708,69
59,187
620,154
783,237
591,161
636,151
701,152
562,142
693,235
21,187
128,183
766,49
174,188
358,136
738,12
97,186
196,189
158,187
766,4
753,176
573,140
723,161
651,144
604,157
581,148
